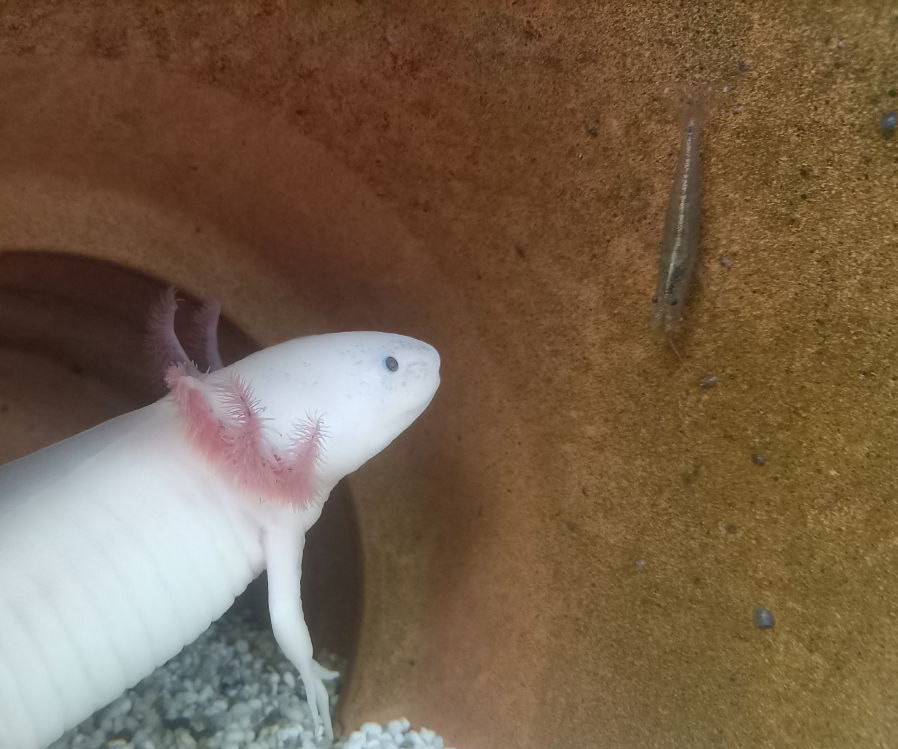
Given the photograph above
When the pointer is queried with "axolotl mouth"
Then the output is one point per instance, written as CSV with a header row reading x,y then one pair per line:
x,y
434,366
413,413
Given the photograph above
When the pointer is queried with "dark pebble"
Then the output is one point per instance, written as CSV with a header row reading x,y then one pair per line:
x,y
758,459
708,381
763,618
725,261
173,724
888,123
231,678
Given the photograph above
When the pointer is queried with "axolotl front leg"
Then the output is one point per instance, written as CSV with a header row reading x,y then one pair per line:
x,y
283,559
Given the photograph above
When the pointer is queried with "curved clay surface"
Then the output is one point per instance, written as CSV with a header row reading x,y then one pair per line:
x,y
567,549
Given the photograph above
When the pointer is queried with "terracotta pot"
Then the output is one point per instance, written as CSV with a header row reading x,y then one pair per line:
x,y
568,548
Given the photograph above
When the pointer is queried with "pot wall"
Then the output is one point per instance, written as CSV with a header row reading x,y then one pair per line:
x,y
567,549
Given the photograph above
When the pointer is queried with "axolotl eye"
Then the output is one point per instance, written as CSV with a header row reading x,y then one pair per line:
x,y
391,364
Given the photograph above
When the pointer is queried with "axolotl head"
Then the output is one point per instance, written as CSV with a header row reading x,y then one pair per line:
x,y
363,388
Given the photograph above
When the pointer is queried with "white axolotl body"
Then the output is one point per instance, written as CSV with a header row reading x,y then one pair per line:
x,y
120,545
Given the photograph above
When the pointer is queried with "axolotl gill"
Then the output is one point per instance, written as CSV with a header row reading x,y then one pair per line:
x,y
120,545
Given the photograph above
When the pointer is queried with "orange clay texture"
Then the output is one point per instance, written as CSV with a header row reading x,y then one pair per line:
x,y
568,549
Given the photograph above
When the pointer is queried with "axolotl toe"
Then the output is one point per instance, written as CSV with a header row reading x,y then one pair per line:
x,y
122,544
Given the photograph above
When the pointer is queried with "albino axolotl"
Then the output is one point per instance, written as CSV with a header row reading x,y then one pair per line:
x,y
120,545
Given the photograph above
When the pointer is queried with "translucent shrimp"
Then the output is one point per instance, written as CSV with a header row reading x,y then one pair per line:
x,y
682,223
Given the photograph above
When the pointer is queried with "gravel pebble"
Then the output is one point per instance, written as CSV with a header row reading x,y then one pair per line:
x,y
763,618
231,689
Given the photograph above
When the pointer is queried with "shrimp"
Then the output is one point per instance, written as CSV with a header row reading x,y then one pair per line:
x,y
682,223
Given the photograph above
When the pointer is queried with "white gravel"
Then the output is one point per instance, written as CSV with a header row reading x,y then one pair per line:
x,y
231,689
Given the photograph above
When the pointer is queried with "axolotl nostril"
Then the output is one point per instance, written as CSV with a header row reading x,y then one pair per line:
x,y
122,544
